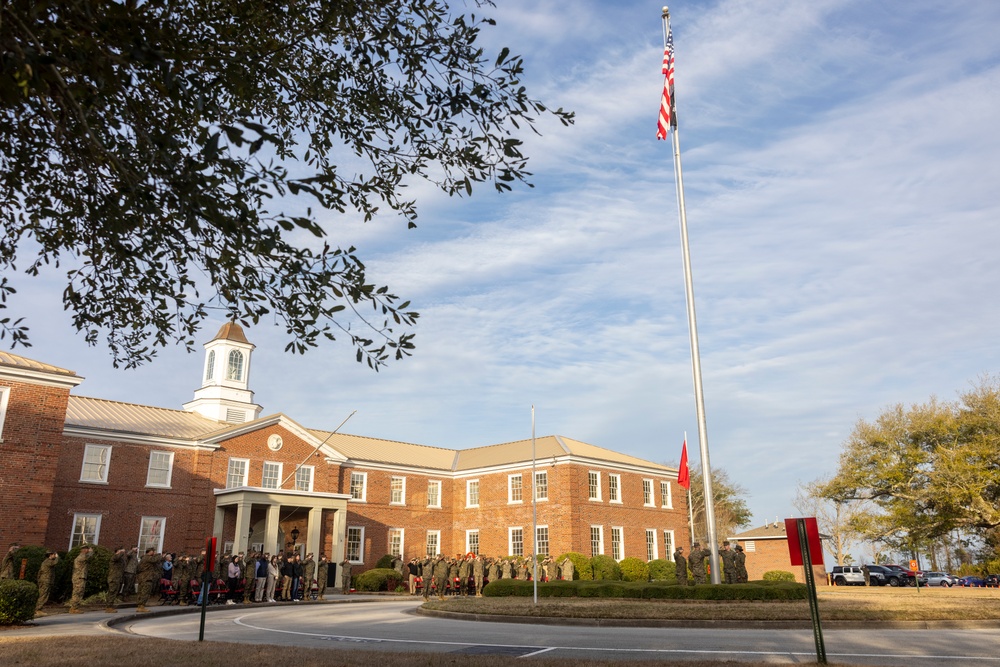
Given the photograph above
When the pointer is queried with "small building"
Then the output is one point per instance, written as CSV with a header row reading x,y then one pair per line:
x,y
766,548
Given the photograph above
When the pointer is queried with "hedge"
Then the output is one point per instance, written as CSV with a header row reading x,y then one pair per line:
x,y
778,575
606,567
641,590
385,562
662,570
634,569
581,565
17,601
97,573
379,579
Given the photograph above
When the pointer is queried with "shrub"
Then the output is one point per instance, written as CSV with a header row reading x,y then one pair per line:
x,y
379,579
17,601
510,588
581,564
384,563
606,568
647,590
662,570
34,556
778,575
634,569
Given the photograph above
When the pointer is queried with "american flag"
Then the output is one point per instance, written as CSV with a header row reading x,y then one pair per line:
x,y
668,115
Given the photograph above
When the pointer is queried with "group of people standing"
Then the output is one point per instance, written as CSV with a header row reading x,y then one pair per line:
x,y
258,577
466,575
734,569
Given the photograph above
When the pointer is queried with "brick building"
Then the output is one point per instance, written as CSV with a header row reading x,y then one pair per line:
x,y
766,548
76,469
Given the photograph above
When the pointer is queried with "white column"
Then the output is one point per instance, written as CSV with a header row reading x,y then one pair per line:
x,y
240,541
339,537
315,530
271,532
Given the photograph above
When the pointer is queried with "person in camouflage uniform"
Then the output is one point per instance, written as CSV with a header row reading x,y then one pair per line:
x,y
308,576
131,565
148,576
345,576
441,575
182,579
464,572
505,569
7,566
494,569
681,566
728,563
116,575
478,574
80,578
741,566
697,563
426,577
568,569
322,573
46,573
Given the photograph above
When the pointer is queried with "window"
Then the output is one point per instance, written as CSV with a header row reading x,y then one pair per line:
x,y
433,542
359,484
514,488
594,483
96,459
616,542
750,546
237,474
515,541
397,491
666,496
396,542
472,541
596,540
615,488
434,493
355,544
210,366
647,493
4,397
151,533
234,371
472,493
651,545
161,466
541,540
304,478
541,486
272,475
86,529
668,543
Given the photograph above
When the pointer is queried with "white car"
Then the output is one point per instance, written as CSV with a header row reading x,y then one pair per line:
x,y
847,575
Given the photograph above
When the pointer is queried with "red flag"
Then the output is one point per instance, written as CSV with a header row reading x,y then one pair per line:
x,y
668,115
683,476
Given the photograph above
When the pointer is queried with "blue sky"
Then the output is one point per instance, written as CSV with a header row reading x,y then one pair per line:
x,y
843,191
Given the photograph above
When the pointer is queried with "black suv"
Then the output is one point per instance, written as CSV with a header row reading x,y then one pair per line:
x,y
891,575
991,581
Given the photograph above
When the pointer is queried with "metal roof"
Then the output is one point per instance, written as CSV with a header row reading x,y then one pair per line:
x,y
104,415
17,361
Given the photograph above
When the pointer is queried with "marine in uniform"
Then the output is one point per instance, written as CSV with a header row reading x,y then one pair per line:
x,y
322,574
116,574
46,573
147,575
80,578
681,565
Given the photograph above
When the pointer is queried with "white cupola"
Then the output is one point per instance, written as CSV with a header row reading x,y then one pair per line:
x,y
225,394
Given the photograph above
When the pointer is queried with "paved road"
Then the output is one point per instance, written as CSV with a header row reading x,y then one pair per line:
x,y
392,626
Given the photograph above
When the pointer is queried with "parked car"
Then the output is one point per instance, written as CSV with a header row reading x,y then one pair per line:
x,y
907,577
992,581
942,579
972,582
847,575
880,575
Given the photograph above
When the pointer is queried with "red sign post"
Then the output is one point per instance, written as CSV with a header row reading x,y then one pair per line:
x,y
805,549
211,543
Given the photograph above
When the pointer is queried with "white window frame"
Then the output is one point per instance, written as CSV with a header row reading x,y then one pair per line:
x,y
669,495
163,531
170,469
669,545
436,534
512,498
402,490
614,488
750,546
648,500
620,532
229,471
543,475
364,487
596,498
234,371
83,535
361,543
402,541
298,478
538,540
600,540
107,464
468,540
277,479
469,484
4,398
510,540
432,483
652,544
210,366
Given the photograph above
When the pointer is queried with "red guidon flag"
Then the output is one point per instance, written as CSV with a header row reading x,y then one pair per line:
x,y
683,476
668,114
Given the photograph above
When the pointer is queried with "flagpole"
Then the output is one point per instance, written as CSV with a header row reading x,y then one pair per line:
x,y
706,468
534,511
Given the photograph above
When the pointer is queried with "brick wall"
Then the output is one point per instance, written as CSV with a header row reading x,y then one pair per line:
x,y
772,554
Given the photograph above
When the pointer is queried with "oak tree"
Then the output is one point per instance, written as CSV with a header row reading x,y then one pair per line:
x,y
162,153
